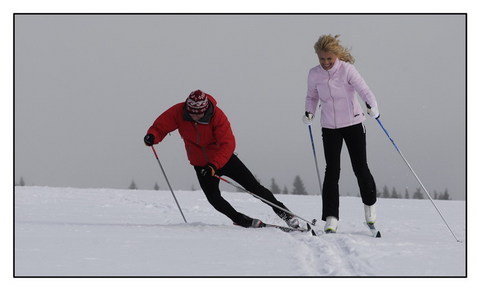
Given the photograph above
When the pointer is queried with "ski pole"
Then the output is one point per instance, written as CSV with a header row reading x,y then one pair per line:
x,y
166,179
264,200
315,157
418,179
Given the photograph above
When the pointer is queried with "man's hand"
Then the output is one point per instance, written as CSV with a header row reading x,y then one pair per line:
x,y
208,170
149,139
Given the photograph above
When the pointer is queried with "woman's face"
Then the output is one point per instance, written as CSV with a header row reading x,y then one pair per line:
x,y
327,59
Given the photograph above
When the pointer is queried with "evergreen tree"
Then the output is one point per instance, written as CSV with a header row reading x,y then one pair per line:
x,y
285,190
298,187
274,187
156,187
386,192
394,193
418,194
407,195
445,196
435,195
22,182
132,186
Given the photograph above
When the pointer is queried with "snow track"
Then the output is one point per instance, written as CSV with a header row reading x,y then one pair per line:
x,y
330,255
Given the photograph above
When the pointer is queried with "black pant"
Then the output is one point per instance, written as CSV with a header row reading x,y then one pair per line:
x,y
236,170
354,137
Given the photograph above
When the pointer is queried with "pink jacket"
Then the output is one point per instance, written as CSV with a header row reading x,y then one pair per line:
x,y
336,89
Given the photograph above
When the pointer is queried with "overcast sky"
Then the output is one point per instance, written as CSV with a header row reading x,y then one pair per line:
x,y
87,87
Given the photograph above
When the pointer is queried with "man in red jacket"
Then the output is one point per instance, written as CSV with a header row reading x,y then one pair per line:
x,y
210,146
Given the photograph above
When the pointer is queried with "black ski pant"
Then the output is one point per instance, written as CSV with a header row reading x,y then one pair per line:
x,y
355,140
236,170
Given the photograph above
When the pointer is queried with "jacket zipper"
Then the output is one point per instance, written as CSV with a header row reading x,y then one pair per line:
x,y
204,150
333,100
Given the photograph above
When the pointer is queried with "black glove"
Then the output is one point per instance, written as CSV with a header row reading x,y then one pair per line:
x,y
149,139
208,170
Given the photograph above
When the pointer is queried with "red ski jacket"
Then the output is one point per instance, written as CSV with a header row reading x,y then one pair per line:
x,y
210,140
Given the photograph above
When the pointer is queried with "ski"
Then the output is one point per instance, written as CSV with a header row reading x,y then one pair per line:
x,y
289,229
375,232
286,228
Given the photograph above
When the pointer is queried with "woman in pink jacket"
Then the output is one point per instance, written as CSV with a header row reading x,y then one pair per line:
x,y
333,84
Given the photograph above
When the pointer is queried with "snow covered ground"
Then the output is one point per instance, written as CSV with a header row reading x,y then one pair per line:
x,y
106,232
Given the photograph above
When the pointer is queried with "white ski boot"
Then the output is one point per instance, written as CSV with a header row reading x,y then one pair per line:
x,y
331,224
293,222
289,219
370,214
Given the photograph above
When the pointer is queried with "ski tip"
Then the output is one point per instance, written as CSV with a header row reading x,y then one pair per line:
x,y
378,235
313,233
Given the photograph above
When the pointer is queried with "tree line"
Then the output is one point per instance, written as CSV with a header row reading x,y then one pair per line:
x,y
418,194
298,188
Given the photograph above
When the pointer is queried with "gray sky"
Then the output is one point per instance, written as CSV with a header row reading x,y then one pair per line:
x,y
87,87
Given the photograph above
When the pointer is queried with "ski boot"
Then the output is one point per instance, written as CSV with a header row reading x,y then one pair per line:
x,y
331,224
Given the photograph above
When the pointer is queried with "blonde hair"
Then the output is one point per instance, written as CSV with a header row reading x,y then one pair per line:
x,y
329,43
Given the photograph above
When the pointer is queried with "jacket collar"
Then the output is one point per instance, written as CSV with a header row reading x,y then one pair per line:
x,y
205,119
334,68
